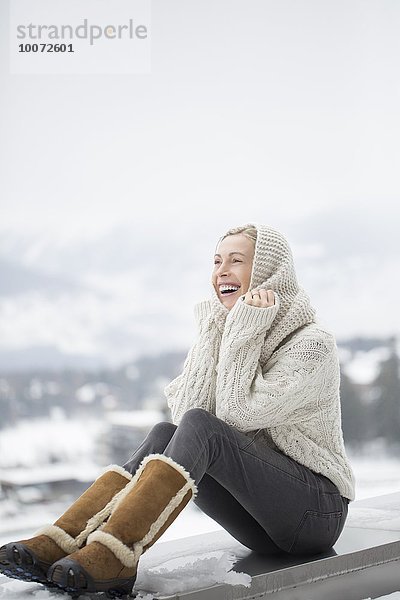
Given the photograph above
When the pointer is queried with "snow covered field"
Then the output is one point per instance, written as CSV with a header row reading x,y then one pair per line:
x,y
30,445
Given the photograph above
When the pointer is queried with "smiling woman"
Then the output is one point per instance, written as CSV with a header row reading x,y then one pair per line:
x,y
255,441
232,271
233,267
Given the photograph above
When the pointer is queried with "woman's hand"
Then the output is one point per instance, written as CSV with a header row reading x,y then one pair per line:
x,y
261,298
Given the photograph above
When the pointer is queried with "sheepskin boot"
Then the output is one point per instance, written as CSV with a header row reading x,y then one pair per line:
x,y
30,559
158,492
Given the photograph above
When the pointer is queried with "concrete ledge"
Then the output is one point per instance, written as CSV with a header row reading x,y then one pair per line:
x,y
364,562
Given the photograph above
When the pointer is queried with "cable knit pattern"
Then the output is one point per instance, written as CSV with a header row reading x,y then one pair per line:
x,y
195,386
294,398
273,369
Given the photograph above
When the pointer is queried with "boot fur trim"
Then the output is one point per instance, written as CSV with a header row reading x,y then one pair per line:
x,y
65,541
122,552
170,461
121,495
117,469
163,517
99,518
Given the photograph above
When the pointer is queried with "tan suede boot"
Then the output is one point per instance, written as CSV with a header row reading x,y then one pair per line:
x,y
30,559
158,492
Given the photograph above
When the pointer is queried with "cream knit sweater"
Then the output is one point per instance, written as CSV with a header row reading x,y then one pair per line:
x,y
271,369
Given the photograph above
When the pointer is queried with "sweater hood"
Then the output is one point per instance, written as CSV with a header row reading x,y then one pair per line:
x,y
273,269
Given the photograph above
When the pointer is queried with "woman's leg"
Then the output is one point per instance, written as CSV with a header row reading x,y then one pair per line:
x,y
301,511
231,507
219,504
155,443
211,496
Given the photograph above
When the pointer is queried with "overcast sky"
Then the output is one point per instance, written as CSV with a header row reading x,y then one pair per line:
x,y
117,186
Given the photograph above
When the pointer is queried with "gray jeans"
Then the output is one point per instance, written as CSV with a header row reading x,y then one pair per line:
x,y
263,498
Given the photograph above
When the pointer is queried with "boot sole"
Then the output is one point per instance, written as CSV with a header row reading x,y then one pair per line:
x,y
19,562
71,577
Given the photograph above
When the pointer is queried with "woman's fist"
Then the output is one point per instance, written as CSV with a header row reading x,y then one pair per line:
x,y
261,298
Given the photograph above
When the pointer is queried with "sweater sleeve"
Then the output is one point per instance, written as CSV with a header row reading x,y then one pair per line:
x,y
250,397
195,386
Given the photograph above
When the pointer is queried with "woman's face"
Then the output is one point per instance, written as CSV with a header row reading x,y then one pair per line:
x,y
232,268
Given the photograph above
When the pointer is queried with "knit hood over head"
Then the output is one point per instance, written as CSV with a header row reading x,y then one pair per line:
x,y
273,269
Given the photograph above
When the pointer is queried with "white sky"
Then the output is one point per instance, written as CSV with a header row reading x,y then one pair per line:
x,y
290,105
284,113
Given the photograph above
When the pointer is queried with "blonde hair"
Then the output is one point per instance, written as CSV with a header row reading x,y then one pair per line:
x,y
248,230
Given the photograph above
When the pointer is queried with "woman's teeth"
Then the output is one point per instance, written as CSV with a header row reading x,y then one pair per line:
x,y
227,290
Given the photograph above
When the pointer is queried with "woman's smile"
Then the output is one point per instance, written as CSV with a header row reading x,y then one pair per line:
x,y
232,268
227,289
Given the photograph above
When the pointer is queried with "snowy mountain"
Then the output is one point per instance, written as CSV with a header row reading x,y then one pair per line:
x,y
106,299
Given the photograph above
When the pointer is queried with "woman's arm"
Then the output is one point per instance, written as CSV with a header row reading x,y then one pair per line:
x,y
249,397
195,386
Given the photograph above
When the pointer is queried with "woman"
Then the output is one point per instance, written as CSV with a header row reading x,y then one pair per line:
x,y
256,438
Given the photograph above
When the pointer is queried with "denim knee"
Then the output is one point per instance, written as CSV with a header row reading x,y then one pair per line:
x,y
196,416
162,430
